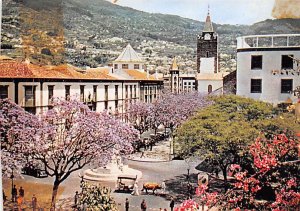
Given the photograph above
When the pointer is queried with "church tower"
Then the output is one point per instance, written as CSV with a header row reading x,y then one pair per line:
x,y
174,72
207,44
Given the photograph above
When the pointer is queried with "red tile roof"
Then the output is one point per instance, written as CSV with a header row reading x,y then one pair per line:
x,y
138,75
14,69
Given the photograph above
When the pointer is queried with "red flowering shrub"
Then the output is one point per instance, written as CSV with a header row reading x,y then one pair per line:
x,y
276,172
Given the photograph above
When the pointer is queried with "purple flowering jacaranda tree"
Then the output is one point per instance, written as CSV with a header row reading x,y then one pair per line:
x,y
71,136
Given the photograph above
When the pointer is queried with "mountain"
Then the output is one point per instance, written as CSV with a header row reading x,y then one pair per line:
x,y
95,31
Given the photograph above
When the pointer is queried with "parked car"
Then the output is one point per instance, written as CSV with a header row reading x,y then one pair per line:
x,y
34,170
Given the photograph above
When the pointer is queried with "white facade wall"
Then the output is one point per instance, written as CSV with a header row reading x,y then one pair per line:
x,y
271,84
42,95
130,65
203,85
207,65
188,85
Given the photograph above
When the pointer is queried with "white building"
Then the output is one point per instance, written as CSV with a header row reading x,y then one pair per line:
x,y
33,87
266,67
178,81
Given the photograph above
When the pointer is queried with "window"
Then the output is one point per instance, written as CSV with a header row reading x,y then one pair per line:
x,y
286,85
134,91
3,92
287,62
256,62
95,93
124,66
116,92
136,66
116,66
256,85
29,96
50,93
116,104
67,91
209,89
81,93
106,105
126,91
106,93
131,94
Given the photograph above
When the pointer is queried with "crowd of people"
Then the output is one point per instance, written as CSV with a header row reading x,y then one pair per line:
x,y
18,199
144,205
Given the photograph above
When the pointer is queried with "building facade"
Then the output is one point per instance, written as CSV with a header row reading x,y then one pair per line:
x,y
34,87
267,67
178,81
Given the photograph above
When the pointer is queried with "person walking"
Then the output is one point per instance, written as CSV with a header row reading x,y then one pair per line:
x,y
163,187
135,191
14,193
126,204
20,201
143,205
4,197
76,199
21,192
172,204
34,203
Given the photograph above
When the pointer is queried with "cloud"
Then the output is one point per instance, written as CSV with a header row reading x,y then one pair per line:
x,y
286,9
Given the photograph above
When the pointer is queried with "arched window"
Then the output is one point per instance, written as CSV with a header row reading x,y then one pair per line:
x,y
209,88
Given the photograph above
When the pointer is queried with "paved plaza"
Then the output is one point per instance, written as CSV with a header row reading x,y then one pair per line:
x,y
155,167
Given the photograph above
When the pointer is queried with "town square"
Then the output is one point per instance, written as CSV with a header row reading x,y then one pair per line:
x,y
133,105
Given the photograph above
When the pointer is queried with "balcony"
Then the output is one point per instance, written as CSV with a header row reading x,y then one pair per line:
x,y
30,102
269,41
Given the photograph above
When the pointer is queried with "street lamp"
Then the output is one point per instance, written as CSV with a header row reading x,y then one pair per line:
x,y
12,185
189,160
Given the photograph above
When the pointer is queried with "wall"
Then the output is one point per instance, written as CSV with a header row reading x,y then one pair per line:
x,y
271,84
203,85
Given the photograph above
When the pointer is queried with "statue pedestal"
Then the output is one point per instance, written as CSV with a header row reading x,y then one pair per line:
x,y
111,172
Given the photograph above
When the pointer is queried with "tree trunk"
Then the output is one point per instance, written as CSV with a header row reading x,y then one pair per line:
x,y
224,170
54,194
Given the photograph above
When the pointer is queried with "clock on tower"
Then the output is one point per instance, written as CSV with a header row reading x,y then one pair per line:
x,y
207,37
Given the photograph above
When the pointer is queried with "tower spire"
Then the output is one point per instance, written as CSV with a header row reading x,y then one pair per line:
x,y
174,66
208,24
208,9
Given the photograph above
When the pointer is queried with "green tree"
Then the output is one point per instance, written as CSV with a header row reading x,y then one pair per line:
x,y
96,197
221,133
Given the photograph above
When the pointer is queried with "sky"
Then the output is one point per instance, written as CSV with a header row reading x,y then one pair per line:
x,y
222,11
